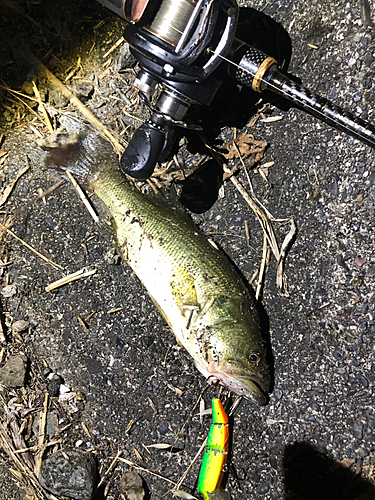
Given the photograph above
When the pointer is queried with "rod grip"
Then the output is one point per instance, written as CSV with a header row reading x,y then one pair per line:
x,y
253,69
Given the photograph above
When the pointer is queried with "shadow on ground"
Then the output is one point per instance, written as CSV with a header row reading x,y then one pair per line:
x,y
312,475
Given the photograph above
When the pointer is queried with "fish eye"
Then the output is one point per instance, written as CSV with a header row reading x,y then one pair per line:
x,y
254,358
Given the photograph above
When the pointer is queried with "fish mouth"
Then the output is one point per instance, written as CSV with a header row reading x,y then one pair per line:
x,y
253,386
252,389
250,385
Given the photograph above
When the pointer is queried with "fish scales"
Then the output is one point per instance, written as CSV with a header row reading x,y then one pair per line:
x,y
197,290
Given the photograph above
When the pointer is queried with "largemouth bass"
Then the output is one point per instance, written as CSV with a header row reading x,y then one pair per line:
x,y
198,292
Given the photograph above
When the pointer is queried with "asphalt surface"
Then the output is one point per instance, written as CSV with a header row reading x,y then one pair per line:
x,y
315,438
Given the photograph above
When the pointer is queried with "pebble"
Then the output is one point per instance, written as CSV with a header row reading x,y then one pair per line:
x,y
220,495
125,58
131,486
263,488
55,385
359,262
358,430
84,90
371,421
9,291
20,326
70,474
274,462
52,425
278,393
112,257
64,389
363,381
334,188
338,354
163,429
13,373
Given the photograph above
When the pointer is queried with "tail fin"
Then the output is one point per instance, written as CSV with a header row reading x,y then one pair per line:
x,y
83,155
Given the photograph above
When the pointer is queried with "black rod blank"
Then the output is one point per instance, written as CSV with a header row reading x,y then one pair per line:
x,y
259,71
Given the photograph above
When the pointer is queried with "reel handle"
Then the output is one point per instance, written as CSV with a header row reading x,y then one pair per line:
x,y
144,151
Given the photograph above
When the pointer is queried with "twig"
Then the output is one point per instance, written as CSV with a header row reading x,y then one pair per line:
x,y
17,437
50,190
262,267
247,233
42,107
60,87
71,277
50,262
41,436
2,327
38,447
9,188
110,469
182,478
24,473
132,464
114,47
263,215
116,309
83,197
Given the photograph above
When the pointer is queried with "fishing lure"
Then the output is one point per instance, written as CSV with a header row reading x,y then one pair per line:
x,y
215,453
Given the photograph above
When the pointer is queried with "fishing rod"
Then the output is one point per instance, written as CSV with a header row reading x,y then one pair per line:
x,y
185,48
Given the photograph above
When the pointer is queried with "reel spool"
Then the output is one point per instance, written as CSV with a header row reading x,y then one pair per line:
x,y
179,45
168,18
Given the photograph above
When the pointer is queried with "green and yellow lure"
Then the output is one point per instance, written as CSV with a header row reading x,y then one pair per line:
x,y
215,453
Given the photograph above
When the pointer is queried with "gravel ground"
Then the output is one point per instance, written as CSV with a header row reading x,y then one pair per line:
x,y
315,438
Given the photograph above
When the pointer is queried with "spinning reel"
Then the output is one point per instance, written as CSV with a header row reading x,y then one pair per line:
x,y
185,48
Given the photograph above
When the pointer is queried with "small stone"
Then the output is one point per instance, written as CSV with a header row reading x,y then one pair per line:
x,y
131,486
263,488
125,59
362,452
72,474
219,495
163,429
13,373
359,262
358,430
9,291
52,425
84,90
334,188
54,388
168,472
64,389
278,394
20,326
363,381
112,257
274,462
58,99
338,354
371,421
